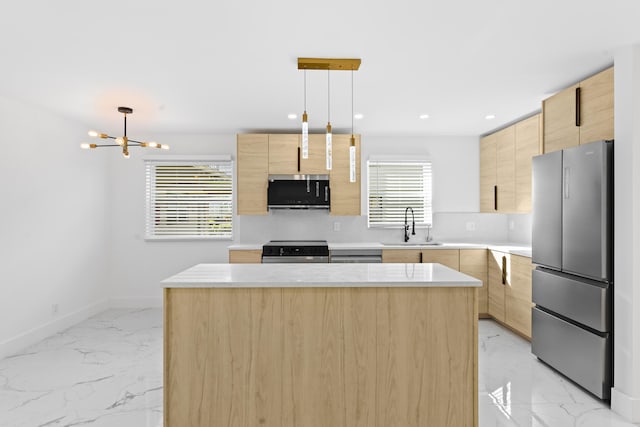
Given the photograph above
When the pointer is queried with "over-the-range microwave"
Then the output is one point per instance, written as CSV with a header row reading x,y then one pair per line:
x,y
298,192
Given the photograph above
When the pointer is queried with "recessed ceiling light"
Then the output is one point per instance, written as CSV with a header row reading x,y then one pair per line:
x,y
358,116
490,116
292,116
424,116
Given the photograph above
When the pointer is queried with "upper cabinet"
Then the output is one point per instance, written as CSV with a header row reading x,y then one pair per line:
x,y
261,155
488,162
528,144
345,195
285,155
252,173
505,167
506,170
580,114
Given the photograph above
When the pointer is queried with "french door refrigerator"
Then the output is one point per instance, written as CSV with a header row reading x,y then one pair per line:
x,y
572,246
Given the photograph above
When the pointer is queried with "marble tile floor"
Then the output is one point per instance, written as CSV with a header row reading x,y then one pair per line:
x,y
107,371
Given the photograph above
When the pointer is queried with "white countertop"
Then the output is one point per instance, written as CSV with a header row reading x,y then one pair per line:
x,y
318,276
512,248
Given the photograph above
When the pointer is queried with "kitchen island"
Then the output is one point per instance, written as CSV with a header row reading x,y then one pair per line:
x,y
320,345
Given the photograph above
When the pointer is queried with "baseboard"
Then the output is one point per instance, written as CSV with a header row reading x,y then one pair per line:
x,y
136,302
626,406
35,335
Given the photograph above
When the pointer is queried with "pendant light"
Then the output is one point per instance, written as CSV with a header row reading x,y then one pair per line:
x,y
305,123
352,145
328,136
121,141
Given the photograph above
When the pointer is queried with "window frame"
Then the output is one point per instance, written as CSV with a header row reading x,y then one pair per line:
x,y
427,220
194,160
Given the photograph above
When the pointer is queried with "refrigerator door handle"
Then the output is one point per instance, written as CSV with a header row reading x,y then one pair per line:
x,y
567,176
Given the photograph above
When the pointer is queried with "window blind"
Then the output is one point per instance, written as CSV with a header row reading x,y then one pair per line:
x,y
396,185
189,199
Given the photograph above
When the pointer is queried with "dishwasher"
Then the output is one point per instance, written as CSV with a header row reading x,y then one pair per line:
x,y
369,255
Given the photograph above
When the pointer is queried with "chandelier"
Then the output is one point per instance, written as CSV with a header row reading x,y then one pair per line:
x,y
121,141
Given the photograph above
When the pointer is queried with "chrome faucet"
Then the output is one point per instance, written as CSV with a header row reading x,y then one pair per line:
x,y
406,225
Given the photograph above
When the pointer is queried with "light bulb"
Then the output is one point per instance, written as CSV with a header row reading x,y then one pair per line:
x,y
305,136
352,160
86,146
164,146
93,133
119,141
125,154
328,146
153,144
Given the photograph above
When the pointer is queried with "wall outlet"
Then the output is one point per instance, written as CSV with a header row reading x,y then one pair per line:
x,y
471,226
336,226
54,309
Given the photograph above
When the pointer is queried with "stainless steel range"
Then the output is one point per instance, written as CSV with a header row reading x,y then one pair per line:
x,y
296,251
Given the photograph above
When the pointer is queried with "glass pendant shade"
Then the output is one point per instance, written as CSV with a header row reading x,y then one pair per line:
x,y
305,136
352,160
329,140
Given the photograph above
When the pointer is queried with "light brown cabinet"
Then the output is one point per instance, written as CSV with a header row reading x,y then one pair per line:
x,y
510,290
252,173
498,271
248,256
488,166
528,142
345,195
261,155
447,257
505,167
497,171
518,295
285,155
474,263
580,114
468,261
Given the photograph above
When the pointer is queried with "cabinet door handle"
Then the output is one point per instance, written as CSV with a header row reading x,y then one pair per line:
x,y
420,257
495,197
578,106
298,159
504,270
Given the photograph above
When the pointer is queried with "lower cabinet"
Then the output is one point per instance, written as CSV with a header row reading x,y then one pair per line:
x,y
474,263
517,299
250,256
510,290
468,261
498,269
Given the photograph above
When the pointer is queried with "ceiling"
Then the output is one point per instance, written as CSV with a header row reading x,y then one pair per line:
x,y
195,66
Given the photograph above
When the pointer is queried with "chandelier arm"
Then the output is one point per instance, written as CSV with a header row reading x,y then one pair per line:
x,y
107,145
130,141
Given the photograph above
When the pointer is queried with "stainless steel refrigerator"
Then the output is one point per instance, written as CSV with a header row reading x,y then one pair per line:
x,y
572,245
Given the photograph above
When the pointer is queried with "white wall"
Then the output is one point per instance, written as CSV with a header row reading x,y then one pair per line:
x,y
53,226
625,397
139,265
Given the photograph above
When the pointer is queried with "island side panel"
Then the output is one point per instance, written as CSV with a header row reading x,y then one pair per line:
x,y
223,357
321,356
426,357
313,357
359,310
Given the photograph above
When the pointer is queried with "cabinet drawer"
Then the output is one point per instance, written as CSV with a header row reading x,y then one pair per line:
x,y
581,355
583,300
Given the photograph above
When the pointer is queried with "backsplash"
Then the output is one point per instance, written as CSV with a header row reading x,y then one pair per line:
x,y
311,224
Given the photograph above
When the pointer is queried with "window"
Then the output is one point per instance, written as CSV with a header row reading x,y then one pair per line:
x,y
396,185
189,199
